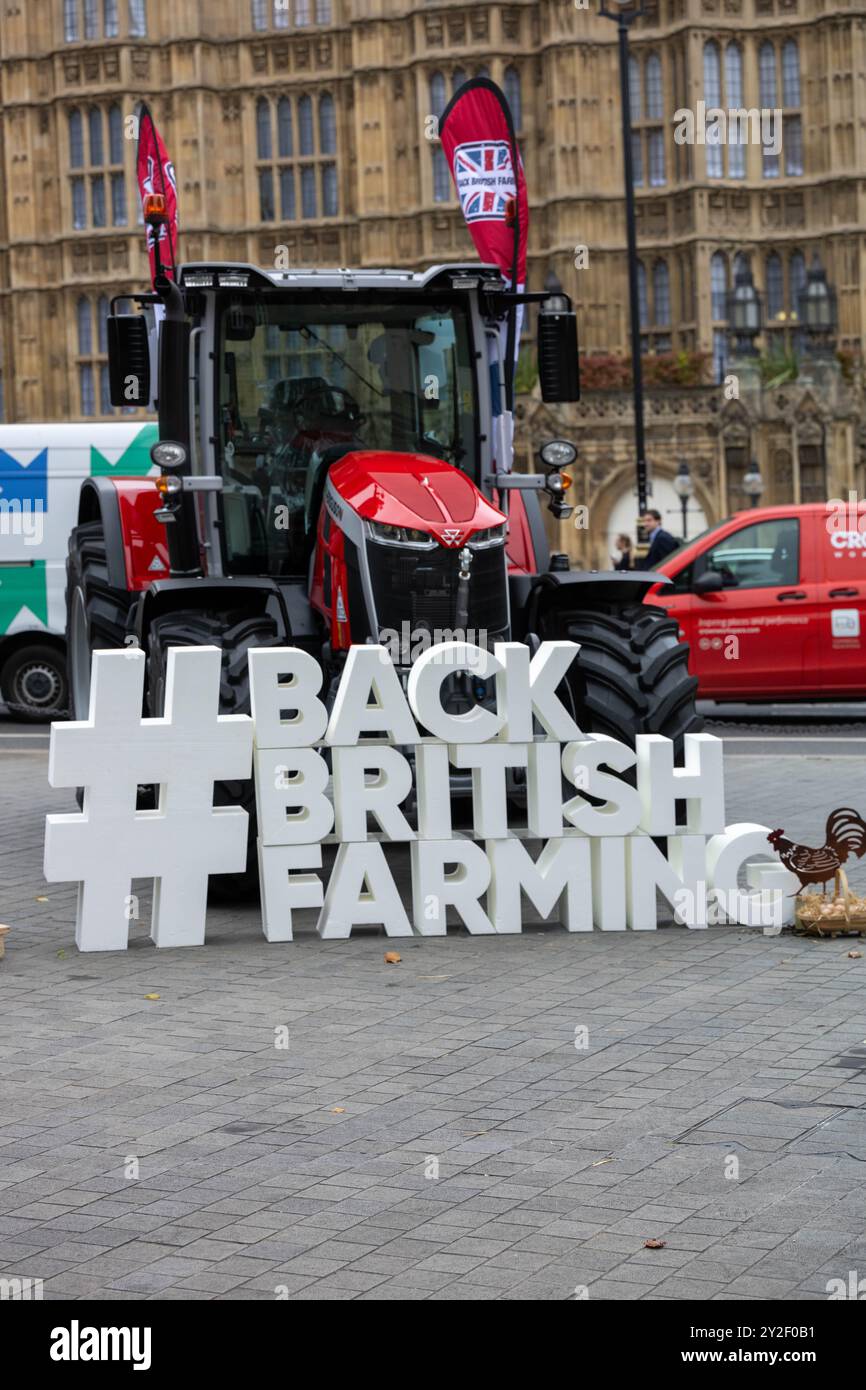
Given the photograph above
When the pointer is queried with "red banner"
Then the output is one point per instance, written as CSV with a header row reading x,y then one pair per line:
x,y
156,175
477,135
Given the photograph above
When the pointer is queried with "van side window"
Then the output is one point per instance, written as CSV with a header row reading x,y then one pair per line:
x,y
765,555
681,582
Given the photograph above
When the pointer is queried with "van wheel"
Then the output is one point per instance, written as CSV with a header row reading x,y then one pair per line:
x,y
33,683
235,634
631,675
96,613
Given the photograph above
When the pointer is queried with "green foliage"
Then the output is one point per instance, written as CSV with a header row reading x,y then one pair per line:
x,y
778,369
526,373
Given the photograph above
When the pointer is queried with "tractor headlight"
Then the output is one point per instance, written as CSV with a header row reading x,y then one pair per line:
x,y
557,453
167,454
493,535
398,535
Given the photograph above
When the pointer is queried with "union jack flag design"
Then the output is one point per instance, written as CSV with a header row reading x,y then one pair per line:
x,y
484,176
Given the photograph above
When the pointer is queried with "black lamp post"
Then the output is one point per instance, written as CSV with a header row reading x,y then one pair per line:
x,y
744,313
684,487
753,484
624,13
817,310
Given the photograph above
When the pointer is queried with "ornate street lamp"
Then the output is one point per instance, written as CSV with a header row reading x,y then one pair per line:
x,y
684,487
753,484
817,309
624,13
744,313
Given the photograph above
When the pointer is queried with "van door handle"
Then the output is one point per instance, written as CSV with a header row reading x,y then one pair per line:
x,y
844,593
791,594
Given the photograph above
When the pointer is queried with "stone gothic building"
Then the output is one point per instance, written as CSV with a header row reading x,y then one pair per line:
x,y
302,128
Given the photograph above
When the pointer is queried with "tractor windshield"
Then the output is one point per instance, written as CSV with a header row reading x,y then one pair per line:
x,y
302,383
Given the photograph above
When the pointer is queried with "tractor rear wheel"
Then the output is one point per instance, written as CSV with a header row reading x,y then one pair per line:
x,y
96,613
235,633
631,675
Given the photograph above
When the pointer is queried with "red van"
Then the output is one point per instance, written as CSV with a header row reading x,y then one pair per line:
x,y
773,604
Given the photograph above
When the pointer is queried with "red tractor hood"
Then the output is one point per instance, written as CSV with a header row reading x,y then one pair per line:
x,y
415,491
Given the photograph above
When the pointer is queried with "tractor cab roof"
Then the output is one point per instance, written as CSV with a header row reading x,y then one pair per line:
x,y
238,276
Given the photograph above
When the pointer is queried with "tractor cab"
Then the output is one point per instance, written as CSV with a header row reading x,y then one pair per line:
x,y
335,467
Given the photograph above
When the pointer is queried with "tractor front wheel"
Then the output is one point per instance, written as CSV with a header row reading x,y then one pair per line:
x,y
631,675
96,613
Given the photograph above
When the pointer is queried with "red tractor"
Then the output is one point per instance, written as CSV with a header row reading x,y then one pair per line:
x,y
335,468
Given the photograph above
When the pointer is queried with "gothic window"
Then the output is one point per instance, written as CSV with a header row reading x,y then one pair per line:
x,y
734,102
512,93
305,125
790,73
327,125
767,74
793,145
283,184
260,14
438,94
137,19
441,177
92,356
263,129
101,196
323,11
302,13
719,286
646,101
661,295
775,288
656,150
643,303
634,96
458,77
637,160
284,128
653,79
713,98
94,19
736,465
796,280
76,140
71,31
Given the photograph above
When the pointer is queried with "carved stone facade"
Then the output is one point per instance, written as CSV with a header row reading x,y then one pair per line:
x,y
366,192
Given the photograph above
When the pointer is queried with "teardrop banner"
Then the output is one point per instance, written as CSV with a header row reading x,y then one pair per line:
x,y
371,767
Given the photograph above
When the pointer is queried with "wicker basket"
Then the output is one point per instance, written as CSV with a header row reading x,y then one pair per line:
x,y
843,914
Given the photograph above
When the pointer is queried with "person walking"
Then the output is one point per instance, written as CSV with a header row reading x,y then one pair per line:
x,y
661,542
623,545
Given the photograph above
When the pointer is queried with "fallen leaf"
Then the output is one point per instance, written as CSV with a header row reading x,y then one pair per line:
x,y
152,996
392,958
654,1244
42,900
855,955
600,1161
61,954
339,1110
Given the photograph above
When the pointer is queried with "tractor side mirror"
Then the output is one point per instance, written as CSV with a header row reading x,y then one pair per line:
x,y
128,360
558,369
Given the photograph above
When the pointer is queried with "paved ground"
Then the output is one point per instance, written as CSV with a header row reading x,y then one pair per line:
x,y
431,1131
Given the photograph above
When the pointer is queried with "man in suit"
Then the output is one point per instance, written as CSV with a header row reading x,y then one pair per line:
x,y
661,542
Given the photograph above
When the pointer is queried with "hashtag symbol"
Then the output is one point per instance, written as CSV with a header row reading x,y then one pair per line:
x,y
185,839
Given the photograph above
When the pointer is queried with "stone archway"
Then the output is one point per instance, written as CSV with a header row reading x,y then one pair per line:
x,y
614,509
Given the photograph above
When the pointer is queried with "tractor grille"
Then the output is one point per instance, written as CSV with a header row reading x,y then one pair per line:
x,y
419,587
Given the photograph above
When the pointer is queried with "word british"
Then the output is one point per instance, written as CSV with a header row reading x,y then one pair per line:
x,y
384,764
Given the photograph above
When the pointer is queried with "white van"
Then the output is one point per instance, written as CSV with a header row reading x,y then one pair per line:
x,y
41,471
